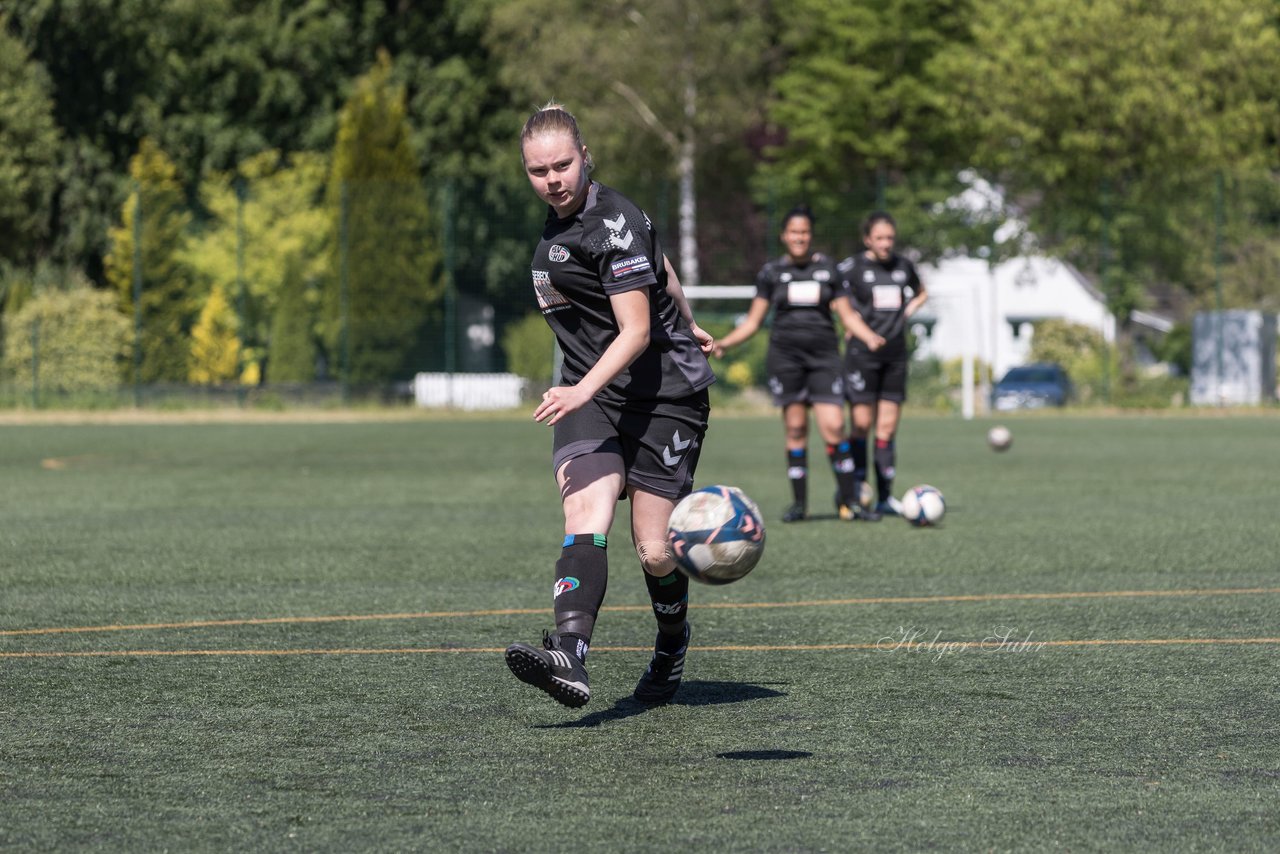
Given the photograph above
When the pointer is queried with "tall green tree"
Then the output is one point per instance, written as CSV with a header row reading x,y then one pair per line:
x,y
168,304
1107,120
258,220
860,115
668,86
385,265
28,150
291,356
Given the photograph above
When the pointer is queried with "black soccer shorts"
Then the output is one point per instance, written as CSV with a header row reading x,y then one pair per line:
x,y
797,376
659,440
868,379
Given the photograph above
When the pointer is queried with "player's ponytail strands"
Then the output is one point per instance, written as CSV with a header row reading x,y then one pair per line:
x,y
553,118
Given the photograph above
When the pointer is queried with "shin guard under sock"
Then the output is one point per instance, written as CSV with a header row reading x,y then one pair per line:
x,y
885,459
670,597
859,458
582,574
841,456
798,474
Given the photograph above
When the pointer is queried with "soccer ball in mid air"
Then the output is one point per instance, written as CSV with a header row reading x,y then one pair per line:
x,y
999,438
716,534
923,505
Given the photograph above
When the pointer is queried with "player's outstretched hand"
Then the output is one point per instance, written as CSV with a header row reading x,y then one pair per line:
x,y
558,402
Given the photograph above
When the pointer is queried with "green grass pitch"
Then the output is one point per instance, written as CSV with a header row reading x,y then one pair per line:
x,y
287,636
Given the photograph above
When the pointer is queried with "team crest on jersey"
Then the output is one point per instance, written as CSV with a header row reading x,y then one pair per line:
x,y
868,276
619,235
558,254
899,276
784,278
822,275
548,297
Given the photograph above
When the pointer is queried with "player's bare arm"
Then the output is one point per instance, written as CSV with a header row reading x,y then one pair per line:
x,y
854,325
706,342
749,326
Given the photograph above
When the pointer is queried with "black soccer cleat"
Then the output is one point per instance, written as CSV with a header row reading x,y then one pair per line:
x,y
556,671
889,507
795,513
660,681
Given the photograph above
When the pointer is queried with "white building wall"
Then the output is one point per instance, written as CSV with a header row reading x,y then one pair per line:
x,y
972,303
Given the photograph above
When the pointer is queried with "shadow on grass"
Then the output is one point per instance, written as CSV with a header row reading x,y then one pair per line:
x,y
764,755
692,693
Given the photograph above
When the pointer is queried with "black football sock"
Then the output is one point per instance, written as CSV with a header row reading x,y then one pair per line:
x,y
582,573
859,460
670,598
841,457
798,474
885,459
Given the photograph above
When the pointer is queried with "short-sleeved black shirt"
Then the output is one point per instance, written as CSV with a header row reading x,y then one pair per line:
x,y
609,247
880,291
800,297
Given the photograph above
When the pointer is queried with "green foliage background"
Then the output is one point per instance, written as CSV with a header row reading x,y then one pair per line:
x,y
82,339
1137,143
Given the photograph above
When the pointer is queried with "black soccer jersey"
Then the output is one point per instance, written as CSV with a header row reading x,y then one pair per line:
x,y
880,292
610,247
800,297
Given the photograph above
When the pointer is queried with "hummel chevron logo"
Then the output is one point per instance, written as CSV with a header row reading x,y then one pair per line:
x,y
669,458
623,242
616,224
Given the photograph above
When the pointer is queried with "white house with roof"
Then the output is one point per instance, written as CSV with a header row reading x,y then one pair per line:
x,y
987,310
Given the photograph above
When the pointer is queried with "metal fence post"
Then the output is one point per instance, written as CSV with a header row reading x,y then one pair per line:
x,y
450,285
1219,216
344,250
240,286
137,295
35,363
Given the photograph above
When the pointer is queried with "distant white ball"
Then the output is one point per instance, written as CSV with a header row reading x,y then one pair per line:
x,y
999,438
716,534
923,505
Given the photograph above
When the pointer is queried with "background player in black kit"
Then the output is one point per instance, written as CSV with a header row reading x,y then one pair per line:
x,y
802,288
886,291
630,415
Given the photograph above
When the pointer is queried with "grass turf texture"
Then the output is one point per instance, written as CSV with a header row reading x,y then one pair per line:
x,y
838,698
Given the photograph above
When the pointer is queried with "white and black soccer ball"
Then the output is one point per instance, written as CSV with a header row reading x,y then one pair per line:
x,y
999,438
923,505
716,534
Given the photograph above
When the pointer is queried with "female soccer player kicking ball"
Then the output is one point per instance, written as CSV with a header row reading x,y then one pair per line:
x,y
630,416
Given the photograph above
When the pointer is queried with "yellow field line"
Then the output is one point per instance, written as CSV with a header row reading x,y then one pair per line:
x,y
501,612
817,647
